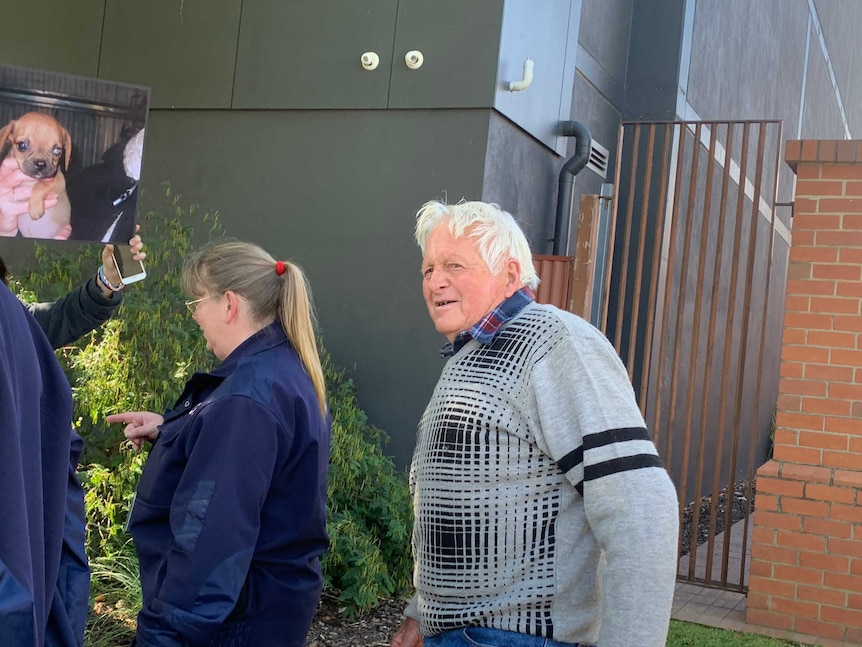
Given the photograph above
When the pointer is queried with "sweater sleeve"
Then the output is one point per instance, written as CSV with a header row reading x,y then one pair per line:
x,y
71,317
592,427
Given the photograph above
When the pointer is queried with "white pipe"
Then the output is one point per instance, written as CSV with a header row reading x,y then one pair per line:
x,y
523,84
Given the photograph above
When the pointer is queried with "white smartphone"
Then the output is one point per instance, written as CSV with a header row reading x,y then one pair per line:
x,y
129,269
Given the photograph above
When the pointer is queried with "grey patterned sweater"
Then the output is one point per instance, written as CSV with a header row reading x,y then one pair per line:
x,y
541,504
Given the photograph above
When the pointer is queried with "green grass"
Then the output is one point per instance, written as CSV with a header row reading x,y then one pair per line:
x,y
115,599
687,634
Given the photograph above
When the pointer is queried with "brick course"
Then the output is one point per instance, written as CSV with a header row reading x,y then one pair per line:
x,y
806,552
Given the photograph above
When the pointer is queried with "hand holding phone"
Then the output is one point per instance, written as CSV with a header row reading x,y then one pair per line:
x,y
128,268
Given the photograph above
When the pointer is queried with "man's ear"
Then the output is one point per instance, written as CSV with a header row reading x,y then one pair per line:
x,y
512,271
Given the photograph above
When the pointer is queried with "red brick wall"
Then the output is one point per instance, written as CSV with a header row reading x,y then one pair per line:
x,y
806,551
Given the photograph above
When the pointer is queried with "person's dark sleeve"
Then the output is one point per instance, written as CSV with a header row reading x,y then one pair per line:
x,y
215,522
17,618
35,419
68,617
71,317
17,624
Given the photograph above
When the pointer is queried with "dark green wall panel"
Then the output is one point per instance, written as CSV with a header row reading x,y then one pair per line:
x,y
56,35
184,50
337,191
460,43
306,54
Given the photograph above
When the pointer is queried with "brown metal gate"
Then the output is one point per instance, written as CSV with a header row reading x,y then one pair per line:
x,y
694,305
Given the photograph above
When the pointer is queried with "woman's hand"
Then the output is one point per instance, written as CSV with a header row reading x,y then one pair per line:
x,y
14,196
15,189
141,426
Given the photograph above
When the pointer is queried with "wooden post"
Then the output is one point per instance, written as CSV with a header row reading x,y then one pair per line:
x,y
585,256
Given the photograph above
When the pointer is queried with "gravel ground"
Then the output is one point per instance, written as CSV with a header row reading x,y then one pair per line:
x,y
739,506
374,629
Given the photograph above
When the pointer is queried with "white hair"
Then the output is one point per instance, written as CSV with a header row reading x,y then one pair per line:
x,y
499,236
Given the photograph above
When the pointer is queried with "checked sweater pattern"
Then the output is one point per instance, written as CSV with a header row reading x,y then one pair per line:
x,y
542,506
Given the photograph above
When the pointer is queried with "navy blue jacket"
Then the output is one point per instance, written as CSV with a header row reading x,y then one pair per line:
x,y
229,520
68,318
43,591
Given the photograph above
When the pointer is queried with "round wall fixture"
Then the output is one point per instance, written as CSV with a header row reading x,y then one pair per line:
x,y
414,59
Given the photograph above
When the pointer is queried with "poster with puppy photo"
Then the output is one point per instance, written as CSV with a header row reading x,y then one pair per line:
x,y
70,156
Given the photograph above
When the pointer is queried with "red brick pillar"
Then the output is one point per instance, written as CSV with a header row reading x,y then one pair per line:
x,y
806,552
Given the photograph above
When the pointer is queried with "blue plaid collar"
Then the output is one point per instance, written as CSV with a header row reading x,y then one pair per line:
x,y
485,330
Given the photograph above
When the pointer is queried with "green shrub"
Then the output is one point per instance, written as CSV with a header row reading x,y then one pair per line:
x,y
370,510
140,360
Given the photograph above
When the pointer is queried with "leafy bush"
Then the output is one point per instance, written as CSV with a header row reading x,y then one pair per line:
x,y
140,360
370,510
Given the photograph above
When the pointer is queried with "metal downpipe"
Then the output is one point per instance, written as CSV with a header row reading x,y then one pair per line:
x,y
570,169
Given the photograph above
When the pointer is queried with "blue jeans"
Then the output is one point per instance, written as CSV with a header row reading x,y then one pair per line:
x,y
485,637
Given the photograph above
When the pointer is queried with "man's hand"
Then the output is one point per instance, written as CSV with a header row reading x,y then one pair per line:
x,y
15,189
142,426
407,635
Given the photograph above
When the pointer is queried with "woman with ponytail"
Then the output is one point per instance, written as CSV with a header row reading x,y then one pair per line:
x,y
229,519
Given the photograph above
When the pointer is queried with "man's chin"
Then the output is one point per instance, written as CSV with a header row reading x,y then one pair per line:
x,y
447,332
443,329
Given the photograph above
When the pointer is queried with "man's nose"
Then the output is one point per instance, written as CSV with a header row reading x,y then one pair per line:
x,y
437,278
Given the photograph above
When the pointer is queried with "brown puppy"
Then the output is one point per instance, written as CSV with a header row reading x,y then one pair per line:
x,y
39,143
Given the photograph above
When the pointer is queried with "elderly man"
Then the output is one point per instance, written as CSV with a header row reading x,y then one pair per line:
x,y
544,516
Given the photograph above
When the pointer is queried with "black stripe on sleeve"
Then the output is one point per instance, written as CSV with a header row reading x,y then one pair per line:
x,y
574,457
624,464
611,436
591,441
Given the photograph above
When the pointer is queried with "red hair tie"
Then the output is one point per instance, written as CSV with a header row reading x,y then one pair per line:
x,y
280,268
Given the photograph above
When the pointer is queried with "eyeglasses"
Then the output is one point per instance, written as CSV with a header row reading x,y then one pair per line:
x,y
193,305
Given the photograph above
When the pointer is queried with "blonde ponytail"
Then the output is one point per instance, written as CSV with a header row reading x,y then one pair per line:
x,y
297,319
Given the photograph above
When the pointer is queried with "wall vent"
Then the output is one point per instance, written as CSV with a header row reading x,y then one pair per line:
x,y
598,162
